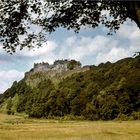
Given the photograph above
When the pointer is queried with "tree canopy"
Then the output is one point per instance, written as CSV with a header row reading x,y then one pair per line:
x,y
18,17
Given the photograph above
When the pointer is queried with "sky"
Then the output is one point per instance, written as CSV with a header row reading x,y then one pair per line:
x,y
89,46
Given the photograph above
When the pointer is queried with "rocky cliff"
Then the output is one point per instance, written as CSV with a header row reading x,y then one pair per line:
x,y
56,71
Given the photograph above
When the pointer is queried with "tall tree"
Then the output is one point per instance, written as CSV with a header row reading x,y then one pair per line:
x,y
18,17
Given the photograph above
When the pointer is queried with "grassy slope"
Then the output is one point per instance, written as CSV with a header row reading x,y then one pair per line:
x,y
19,128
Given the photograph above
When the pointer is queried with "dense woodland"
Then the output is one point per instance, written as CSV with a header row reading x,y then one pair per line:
x,y
106,92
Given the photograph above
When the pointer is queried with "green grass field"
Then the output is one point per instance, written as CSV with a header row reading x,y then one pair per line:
x,y
20,128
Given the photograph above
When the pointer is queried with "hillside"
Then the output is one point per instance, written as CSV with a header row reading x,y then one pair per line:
x,y
106,91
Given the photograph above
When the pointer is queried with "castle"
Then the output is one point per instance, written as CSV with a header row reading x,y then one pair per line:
x,y
59,66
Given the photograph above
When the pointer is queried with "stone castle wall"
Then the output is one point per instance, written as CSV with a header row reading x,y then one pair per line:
x,y
41,67
59,66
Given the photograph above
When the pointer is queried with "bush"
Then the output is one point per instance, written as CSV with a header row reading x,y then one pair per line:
x,y
123,117
9,112
136,115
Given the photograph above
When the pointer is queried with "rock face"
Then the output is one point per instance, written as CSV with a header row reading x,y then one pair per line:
x,y
58,70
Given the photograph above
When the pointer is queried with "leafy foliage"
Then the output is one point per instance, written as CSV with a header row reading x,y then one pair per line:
x,y
72,64
18,17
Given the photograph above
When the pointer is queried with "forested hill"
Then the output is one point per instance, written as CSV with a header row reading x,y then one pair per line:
x,y
106,91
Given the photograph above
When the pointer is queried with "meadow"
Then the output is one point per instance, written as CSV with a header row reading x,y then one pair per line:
x,y
23,128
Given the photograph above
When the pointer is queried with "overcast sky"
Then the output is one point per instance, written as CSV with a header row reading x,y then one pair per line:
x,y
90,46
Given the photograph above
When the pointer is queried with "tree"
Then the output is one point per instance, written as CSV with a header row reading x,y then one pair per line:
x,y
19,16
9,106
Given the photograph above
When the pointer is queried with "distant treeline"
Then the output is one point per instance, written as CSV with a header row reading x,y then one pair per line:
x,y
105,92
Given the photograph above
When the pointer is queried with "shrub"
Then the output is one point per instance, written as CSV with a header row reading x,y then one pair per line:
x,y
136,115
123,117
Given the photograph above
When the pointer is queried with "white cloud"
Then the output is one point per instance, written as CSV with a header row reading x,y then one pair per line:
x,y
70,41
10,74
84,46
7,78
44,50
129,31
79,48
104,48
113,55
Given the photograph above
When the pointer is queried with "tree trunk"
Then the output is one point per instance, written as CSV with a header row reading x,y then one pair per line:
x,y
133,8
